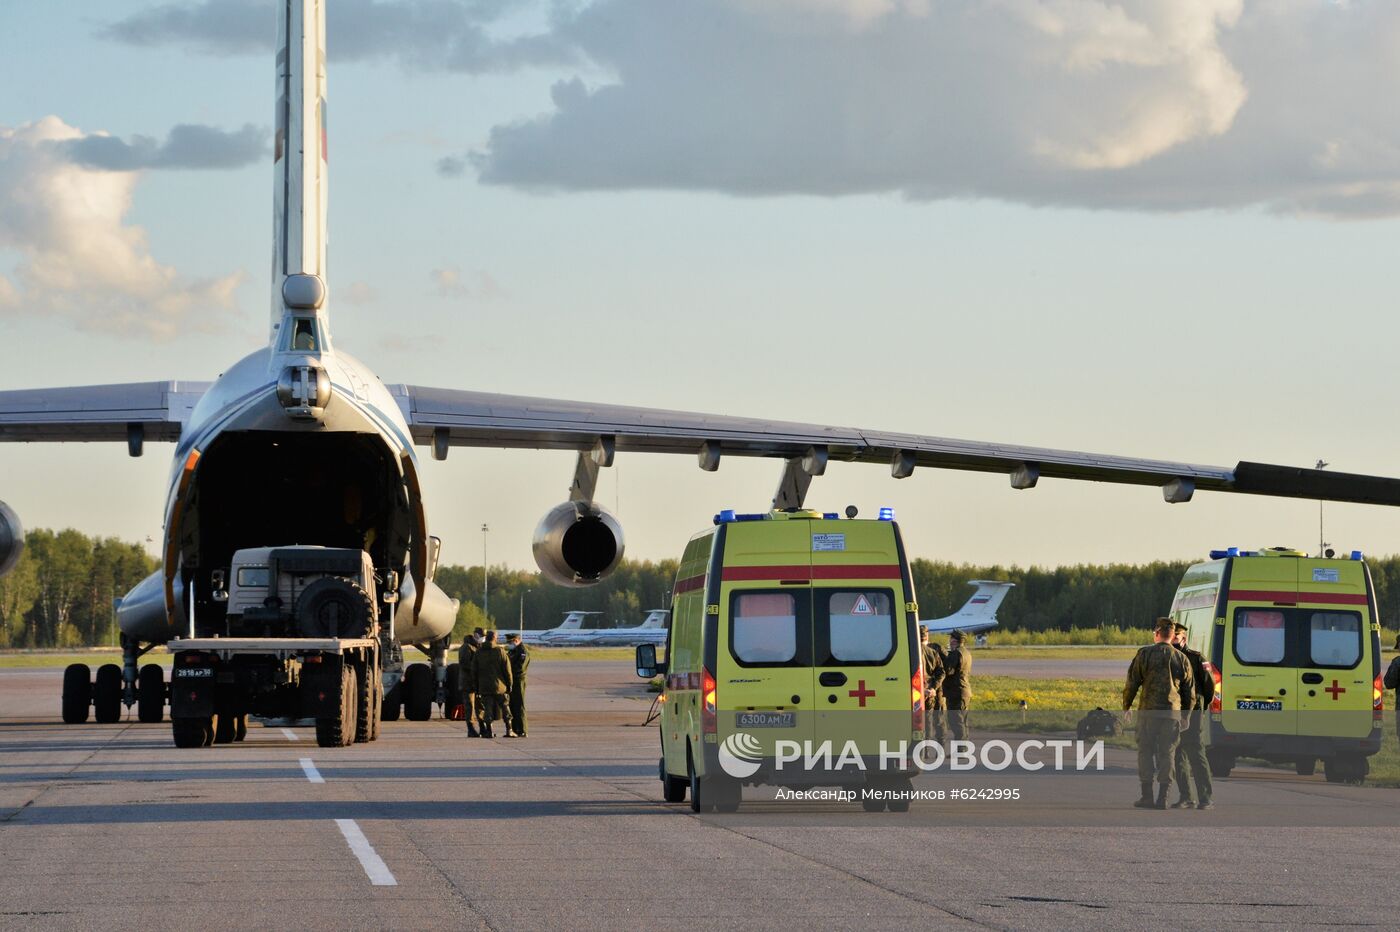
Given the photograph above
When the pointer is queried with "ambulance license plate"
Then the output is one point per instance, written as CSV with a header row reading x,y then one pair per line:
x,y
765,719
1257,705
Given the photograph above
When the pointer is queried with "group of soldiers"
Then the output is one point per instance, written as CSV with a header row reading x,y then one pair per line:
x,y
947,686
1175,689
491,678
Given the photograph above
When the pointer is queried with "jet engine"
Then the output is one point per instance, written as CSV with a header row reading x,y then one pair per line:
x,y
578,543
12,539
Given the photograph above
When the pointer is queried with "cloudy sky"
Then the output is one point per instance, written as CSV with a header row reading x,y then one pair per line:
x,y
1152,227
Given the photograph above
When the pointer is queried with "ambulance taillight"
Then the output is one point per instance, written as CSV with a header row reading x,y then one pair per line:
x,y
917,695
1377,695
709,724
1215,702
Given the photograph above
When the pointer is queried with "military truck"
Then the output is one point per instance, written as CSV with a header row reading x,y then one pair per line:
x,y
305,634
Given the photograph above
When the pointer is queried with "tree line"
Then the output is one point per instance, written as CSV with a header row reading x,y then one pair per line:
x,y
62,592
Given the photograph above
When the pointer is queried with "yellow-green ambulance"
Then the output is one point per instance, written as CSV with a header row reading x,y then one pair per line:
x,y
792,632
1293,644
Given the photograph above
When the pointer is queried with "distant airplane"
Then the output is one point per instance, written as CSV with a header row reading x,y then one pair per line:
x,y
978,613
652,630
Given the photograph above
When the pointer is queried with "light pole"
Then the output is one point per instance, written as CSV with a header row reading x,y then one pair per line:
x,y
522,613
1321,542
485,576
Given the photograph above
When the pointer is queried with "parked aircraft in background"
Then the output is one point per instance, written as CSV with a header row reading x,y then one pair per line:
x,y
652,630
978,613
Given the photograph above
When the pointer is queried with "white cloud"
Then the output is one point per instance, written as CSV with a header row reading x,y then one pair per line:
x,y
77,257
449,282
357,293
1134,104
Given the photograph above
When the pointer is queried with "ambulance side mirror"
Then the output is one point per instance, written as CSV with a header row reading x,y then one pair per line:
x,y
647,664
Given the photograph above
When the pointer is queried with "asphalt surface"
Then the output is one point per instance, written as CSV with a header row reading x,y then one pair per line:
x,y
112,826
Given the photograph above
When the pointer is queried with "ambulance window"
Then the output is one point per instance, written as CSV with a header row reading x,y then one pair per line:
x,y
860,627
1261,636
763,628
1334,639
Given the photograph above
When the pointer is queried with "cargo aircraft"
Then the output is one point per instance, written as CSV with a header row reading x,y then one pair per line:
x,y
299,442
571,632
978,613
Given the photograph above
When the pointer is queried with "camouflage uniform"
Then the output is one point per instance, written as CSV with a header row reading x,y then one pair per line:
x,y
1162,675
466,679
957,690
1392,681
934,673
519,663
493,680
1191,765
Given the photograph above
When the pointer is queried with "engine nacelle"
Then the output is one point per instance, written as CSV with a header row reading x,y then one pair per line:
x,y
577,544
11,539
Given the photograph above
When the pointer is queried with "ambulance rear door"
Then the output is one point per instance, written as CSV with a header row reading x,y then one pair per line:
x,y
1334,666
764,681
861,661
1259,678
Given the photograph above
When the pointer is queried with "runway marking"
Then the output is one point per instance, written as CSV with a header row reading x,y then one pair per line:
x,y
373,864
291,735
312,773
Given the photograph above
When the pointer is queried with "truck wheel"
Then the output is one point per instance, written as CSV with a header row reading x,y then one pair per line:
x,y
393,703
696,804
339,732
77,693
364,707
673,789
225,728
418,692
107,694
334,608
188,732
1346,768
725,794
376,709
1306,768
872,805
1220,763
150,694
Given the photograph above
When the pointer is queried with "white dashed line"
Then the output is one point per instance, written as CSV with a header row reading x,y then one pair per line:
x,y
312,773
373,864
291,735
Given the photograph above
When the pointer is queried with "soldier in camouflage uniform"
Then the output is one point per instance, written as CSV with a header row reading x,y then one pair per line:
x,y
466,679
1162,675
519,663
934,672
1191,764
493,679
957,685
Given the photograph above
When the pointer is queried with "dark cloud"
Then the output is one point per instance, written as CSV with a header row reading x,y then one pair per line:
x,y
452,166
188,146
418,34
1150,105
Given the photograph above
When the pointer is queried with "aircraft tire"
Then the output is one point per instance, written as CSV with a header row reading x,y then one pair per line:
x,y
452,689
418,692
150,694
188,732
77,693
107,694
392,703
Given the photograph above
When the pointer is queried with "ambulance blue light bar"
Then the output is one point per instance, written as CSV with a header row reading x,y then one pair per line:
x,y
1356,554
1227,552
886,514
728,516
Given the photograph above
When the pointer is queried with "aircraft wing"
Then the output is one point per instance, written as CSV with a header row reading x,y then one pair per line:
x,y
465,418
149,410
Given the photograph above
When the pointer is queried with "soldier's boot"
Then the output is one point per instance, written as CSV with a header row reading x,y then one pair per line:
x,y
1185,802
1205,803
1145,801
1162,789
471,729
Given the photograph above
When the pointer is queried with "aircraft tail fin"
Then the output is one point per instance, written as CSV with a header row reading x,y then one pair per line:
x,y
978,613
300,176
574,620
656,618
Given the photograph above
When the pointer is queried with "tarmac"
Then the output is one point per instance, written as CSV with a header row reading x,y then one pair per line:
x,y
112,826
